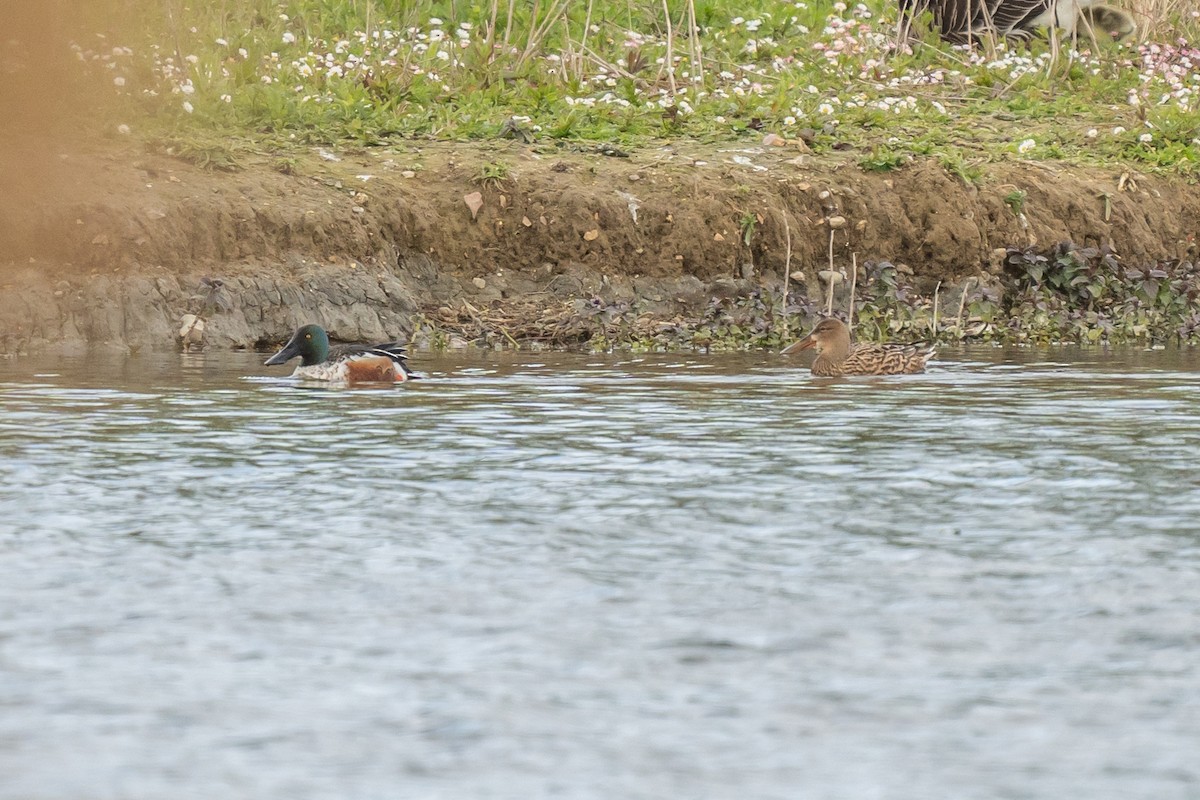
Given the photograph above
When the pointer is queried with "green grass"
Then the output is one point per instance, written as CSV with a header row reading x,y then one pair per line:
x,y
369,72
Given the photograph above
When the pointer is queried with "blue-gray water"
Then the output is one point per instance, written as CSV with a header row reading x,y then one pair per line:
x,y
601,577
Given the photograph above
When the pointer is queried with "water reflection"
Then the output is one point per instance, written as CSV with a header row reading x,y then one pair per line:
x,y
594,576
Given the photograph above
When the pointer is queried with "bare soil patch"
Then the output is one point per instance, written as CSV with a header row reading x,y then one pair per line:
x,y
108,245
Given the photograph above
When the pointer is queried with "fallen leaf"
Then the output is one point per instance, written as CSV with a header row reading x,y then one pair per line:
x,y
591,235
718,237
504,201
526,222
774,140
474,201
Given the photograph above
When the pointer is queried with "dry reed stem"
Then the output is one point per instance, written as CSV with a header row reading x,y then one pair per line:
x,y
787,272
936,291
698,63
587,23
538,31
512,4
962,305
670,60
853,288
491,30
831,249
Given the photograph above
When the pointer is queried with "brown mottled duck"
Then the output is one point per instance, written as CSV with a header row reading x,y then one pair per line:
x,y
836,356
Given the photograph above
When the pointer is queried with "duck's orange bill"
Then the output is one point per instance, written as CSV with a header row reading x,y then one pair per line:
x,y
796,347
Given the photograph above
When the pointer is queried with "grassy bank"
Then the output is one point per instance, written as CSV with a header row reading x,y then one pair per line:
x,y
208,78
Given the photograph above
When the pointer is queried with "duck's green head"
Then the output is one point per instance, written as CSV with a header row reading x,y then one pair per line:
x,y
310,342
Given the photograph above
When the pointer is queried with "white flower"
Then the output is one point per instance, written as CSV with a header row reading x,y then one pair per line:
x,y
192,59
187,88
824,108
1092,133
243,53
1146,138
289,37
222,42
434,21
188,107
225,98
789,120
437,35
1117,131
1026,146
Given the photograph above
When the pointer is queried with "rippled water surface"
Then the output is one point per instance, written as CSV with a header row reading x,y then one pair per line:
x,y
601,577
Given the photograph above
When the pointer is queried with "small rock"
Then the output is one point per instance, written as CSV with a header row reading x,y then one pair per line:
x,y
824,195
798,276
837,221
474,202
831,276
480,283
633,176
996,260
408,173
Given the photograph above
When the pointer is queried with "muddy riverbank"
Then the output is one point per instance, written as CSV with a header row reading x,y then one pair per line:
x,y
111,245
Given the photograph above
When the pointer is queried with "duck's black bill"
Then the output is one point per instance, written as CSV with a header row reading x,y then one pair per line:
x,y
289,352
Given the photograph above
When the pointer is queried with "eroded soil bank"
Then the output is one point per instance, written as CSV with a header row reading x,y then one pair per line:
x,y
110,246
